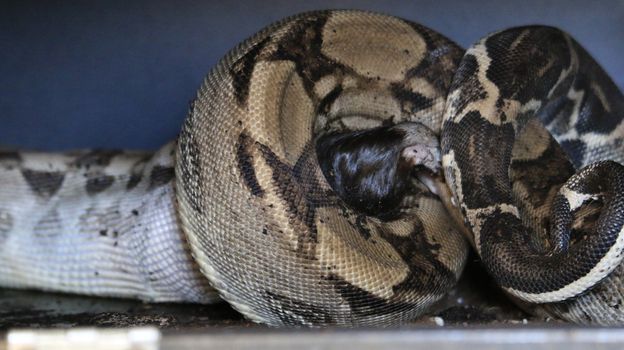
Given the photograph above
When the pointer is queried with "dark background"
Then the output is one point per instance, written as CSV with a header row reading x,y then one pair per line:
x,y
120,74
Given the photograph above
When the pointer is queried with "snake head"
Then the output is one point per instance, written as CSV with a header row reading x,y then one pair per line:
x,y
371,170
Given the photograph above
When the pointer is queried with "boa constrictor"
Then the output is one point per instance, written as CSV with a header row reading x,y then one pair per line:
x,y
308,183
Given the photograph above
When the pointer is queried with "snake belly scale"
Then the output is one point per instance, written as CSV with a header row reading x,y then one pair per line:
x,y
308,185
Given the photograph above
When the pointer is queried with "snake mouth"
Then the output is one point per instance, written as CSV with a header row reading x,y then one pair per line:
x,y
423,157
429,178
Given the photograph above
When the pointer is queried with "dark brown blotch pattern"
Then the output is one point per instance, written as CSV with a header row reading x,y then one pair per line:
x,y
189,164
245,165
296,312
44,184
241,71
550,170
99,183
161,175
96,158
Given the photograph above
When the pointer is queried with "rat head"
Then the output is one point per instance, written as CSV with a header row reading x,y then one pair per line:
x,y
372,169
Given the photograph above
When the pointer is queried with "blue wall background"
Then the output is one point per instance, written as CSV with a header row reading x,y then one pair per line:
x,y
110,73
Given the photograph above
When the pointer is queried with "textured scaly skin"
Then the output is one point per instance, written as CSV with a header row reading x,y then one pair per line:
x,y
252,201
95,222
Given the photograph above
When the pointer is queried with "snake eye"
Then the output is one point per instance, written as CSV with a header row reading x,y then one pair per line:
x,y
370,169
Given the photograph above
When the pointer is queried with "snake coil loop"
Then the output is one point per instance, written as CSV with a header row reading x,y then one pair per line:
x,y
307,183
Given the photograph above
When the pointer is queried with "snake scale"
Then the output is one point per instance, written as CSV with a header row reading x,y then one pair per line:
x,y
334,169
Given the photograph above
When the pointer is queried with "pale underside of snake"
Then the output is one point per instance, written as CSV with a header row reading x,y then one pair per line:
x,y
334,169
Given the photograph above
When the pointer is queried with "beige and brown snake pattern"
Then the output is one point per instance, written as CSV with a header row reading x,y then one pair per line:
x,y
308,183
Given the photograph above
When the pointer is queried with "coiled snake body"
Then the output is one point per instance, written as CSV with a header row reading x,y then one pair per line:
x,y
308,183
